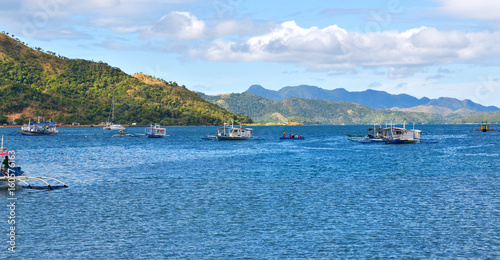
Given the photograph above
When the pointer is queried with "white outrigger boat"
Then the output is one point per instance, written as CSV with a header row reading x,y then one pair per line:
x,y
391,135
233,134
14,175
155,131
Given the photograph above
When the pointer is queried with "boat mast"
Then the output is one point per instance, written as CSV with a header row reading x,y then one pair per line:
x,y
113,108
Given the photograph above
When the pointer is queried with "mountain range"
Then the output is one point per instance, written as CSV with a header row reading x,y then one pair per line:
x,y
370,98
319,111
313,111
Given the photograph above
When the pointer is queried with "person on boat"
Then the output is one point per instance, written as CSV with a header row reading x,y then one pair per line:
x,y
6,166
284,134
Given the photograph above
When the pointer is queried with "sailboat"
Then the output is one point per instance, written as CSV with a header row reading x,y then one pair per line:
x,y
109,124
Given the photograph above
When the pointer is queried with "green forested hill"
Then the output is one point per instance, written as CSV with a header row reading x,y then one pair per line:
x,y
490,117
34,83
313,111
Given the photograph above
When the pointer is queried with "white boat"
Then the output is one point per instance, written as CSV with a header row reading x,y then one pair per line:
x,y
109,124
392,135
113,127
39,128
235,133
155,131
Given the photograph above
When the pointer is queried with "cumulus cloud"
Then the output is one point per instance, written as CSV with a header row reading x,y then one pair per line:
x,y
332,47
180,25
485,10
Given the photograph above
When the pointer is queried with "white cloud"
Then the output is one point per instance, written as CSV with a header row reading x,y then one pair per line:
x,y
485,10
45,19
402,72
335,48
180,25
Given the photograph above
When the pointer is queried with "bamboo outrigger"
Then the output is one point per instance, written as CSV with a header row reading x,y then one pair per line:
x,y
10,177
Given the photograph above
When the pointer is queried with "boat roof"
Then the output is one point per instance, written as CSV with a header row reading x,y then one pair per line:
x,y
42,123
229,128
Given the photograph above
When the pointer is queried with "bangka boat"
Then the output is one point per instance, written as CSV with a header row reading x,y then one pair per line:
x,y
10,178
233,134
123,133
484,128
392,135
292,137
39,128
402,135
155,131
109,124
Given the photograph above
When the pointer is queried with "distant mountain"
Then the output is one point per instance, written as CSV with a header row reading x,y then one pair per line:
x,y
370,98
34,83
427,109
313,111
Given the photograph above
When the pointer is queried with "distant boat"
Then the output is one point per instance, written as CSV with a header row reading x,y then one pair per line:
x,y
155,131
123,133
109,124
233,134
39,128
484,128
292,137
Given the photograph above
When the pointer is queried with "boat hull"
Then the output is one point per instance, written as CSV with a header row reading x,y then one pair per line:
x,y
35,133
399,141
291,138
365,140
155,136
228,138
119,127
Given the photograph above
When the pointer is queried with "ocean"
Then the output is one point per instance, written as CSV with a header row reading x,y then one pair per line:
x,y
324,197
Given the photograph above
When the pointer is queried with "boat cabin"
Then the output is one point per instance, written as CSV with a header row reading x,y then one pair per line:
x,y
245,133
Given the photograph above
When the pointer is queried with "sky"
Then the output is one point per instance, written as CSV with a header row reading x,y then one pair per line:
x,y
425,48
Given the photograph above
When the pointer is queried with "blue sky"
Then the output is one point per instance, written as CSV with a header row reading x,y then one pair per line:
x,y
423,48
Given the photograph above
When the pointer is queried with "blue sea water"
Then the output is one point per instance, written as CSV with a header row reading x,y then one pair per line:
x,y
324,197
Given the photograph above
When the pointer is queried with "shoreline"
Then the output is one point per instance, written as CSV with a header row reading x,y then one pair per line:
x,y
97,126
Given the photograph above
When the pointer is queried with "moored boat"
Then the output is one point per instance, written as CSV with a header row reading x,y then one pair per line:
x,y
110,125
39,128
155,131
484,128
392,135
235,134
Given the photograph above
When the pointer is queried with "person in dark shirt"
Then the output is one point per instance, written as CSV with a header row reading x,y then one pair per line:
x,y
6,165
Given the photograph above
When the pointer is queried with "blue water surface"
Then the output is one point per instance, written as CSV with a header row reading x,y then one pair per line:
x,y
325,197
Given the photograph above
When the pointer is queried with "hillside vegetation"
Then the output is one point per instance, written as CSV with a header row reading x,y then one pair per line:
x,y
34,83
313,111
